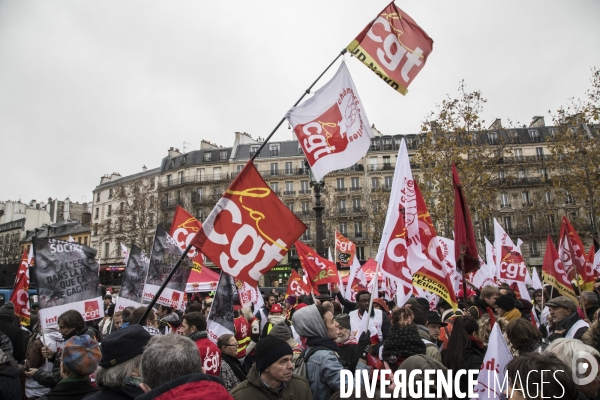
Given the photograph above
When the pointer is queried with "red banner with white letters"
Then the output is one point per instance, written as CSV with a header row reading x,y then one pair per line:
x,y
571,250
394,47
345,249
183,230
249,230
20,294
320,270
553,271
296,286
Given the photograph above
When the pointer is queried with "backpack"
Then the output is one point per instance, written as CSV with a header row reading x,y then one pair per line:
x,y
300,364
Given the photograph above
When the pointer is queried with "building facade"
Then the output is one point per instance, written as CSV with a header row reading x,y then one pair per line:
x,y
528,205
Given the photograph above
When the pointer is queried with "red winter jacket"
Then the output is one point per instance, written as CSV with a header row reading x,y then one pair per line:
x,y
189,387
211,356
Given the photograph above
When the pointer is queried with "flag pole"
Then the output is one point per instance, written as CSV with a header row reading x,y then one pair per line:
x,y
462,265
164,285
375,288
580,296
307,91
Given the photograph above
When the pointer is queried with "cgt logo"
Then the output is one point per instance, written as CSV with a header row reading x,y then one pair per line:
x,y
584,367
92,310
175,297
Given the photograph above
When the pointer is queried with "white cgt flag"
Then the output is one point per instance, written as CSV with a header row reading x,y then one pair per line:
x,y
491,382
332,126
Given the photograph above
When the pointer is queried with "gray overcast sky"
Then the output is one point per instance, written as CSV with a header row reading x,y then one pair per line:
x,y
89,88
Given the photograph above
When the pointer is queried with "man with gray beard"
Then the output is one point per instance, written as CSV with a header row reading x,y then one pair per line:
x,y
348,352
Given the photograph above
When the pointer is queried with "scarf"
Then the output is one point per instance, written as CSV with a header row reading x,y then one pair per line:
x,y
198,335
325,342
235,365
476,341
512,314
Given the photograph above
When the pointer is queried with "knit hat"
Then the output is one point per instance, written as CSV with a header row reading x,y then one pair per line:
x,y
505,302
402,342
291,300
123,344
7,310
527,305
268,350
81,354
561,301
281,331
423,303
413,302
343,320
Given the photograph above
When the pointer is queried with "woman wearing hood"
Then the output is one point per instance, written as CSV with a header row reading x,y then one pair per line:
x,y
50,337
316,326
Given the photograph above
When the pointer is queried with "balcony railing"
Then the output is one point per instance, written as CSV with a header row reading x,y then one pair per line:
x,y
355,188
522,181
196,179
305,191
341,189
521,159
289,192
171,203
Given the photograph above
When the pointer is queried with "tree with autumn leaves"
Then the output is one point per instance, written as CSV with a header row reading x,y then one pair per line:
x,y
456,133
575,148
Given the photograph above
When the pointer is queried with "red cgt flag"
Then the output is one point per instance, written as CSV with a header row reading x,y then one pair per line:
x,y
296,285
464,236
346,250
183,229
394,47
320,270
249,230
571,250
20,294
553,272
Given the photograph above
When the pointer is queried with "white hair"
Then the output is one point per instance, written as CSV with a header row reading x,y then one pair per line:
x,y
566,349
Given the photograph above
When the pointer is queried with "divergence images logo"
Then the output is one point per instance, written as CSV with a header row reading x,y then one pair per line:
x,y
584,368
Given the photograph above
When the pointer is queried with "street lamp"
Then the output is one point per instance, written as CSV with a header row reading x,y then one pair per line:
x,y
320,246
317,187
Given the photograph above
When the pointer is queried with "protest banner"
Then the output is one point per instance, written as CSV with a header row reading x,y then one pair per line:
x,y
134,278
67,278
165,254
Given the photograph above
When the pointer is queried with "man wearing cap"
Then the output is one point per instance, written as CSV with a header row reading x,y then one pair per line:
x,y
80,357
271,375
119,375
434,324
565,319
348,346
275,317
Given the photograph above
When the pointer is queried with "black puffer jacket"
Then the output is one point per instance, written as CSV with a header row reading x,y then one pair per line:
x,y
17,336
10,384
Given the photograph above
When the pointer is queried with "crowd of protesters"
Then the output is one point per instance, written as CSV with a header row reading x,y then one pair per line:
x,y
295,347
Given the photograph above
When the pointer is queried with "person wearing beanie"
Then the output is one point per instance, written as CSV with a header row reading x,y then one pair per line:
x,y
17,336
271,376
348,346
284,332
80,358
566,322
70,324
505,307
119,372
290,306
403,341
317,326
